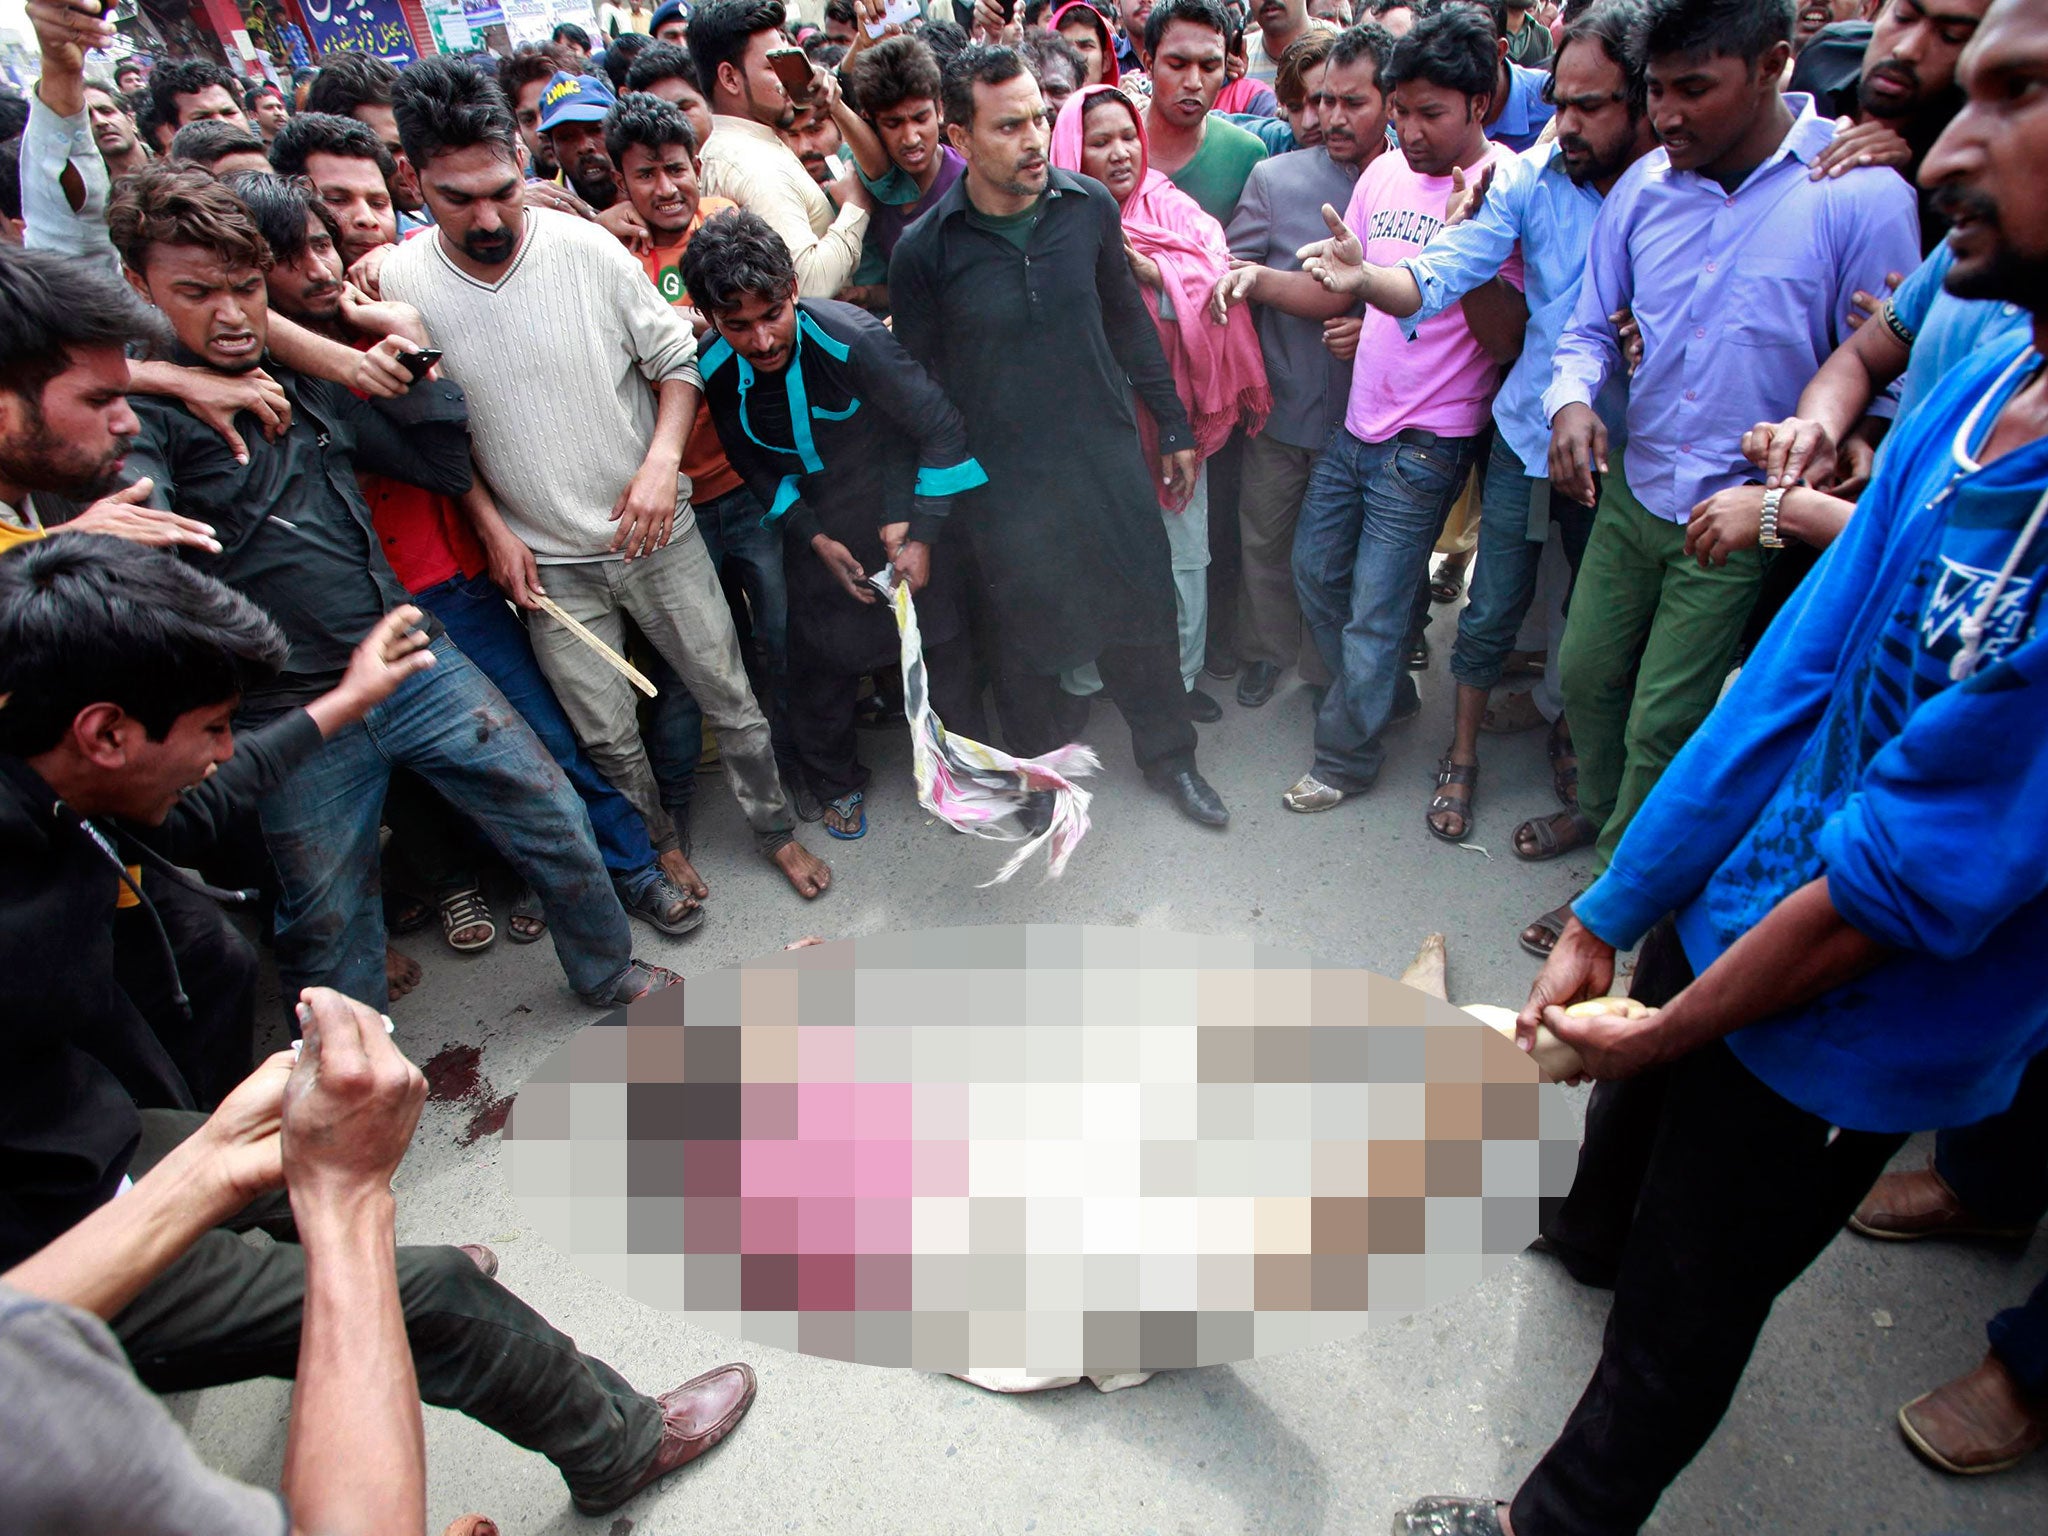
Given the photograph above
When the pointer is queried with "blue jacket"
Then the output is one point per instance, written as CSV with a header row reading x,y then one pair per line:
x,y
1845,750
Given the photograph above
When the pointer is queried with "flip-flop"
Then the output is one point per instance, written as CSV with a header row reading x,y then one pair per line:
x,y
528,910
1550,843
1552,923
845,806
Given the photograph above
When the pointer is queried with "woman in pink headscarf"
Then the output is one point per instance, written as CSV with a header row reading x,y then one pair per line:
x,y
1178,254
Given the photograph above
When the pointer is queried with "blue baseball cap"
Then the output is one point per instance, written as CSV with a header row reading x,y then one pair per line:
x,y
574,99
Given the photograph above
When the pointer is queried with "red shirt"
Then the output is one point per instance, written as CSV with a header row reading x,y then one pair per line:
x,y
704,460
425,536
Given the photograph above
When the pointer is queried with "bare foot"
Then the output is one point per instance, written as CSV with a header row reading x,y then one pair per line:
x,y
683,873
804,943
806,871
471,1525
1426,973
401,973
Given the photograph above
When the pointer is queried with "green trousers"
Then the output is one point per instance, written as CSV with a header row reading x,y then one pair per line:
x,y
1647,646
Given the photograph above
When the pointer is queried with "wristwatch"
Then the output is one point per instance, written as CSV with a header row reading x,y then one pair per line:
x,y
1767,524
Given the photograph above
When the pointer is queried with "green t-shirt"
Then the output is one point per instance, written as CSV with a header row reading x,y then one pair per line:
x,y
1013,227
1215,178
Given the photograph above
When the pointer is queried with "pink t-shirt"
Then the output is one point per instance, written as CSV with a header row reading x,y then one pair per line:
x,y
1442,381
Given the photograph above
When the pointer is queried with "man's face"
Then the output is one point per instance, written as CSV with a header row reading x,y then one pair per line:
x,y
309,287
840,32
1088,43
1006,146
662,186
1595,133
1282,18
1812,15
73,439
1399,22
1352,111
1305,121
1911,59
761,329
526,110
1435,125
1133,14
815,140
215,101
129,80
1187,72
477,201
153,775
909,131
270,114
684,96
1703,108
677,32
1056,84
237,161
578,148
220,310
759,87
113,131
1985,169
353,191
405,185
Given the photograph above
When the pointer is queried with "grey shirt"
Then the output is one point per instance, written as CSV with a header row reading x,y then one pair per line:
x,y
1280,212
89,1449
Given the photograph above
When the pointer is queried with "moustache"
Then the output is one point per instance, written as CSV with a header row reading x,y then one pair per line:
x,y
1900,70
1572,144
1953,202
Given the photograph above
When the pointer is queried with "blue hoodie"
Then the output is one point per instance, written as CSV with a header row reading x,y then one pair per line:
x,y
1844,749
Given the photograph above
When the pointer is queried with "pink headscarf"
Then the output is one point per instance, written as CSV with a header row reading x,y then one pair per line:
x,y
1218,369
1084,9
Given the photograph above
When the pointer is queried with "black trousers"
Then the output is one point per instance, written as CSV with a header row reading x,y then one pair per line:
x,y
1226,541
822,697
226,1311
214,1045
1144,680
1708,1194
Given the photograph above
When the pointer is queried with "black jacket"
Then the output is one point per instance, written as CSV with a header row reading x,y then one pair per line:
x,y
79,1057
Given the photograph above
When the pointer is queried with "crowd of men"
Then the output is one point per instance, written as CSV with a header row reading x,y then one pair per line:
x,y
362,445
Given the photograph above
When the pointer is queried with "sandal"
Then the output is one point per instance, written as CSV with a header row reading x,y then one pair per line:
x,y
406,914
1449,583
1526,664
1448,773
1553,835
1540,937
660,903
1515,712
1564,765
527,922
847,809
464,911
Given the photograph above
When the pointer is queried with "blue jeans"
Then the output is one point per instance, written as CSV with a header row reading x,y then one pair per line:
x,y
1370,517
1503,571
730,526
487,631
456,731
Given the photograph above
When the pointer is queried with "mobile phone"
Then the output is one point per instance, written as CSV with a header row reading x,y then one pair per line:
x,y
417,363
792,67
1009,10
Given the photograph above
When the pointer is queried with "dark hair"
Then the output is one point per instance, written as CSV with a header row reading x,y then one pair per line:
x,y
1495,12
211,140
664,61
842,11
1035,12
720,31
1698,29
171,204
524,65
322,133
897,69
732,256
1367,40
445,104
1381,7
650,122
186,77
1453,48
10,178
350,80
279,206
1616,26
976,64
619,55
825,53
947,41
1042,47
259,88
1202,13
88,619
569,32
51,305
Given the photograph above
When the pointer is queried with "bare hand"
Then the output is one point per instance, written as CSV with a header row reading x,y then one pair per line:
x,y
1143,268
218,398
646,510
1630,335
364,273
1864,306
910,560
1790,451
845,569
123,516
1581,965
67,30
351,1104
1856,145
1853,465
1612,1045
378,371
546,194
1340,336
622,222
1177,474
1578,450
1233,287
382,317
514,571
1724,523
1338,263
239,1141
393,650
1466,198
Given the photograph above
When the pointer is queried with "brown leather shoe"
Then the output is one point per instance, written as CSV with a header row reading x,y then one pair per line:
x,y
1902,1207
483,1258
695,1417
1976,1423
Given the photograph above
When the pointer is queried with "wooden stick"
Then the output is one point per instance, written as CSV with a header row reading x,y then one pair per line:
x,y
632,673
